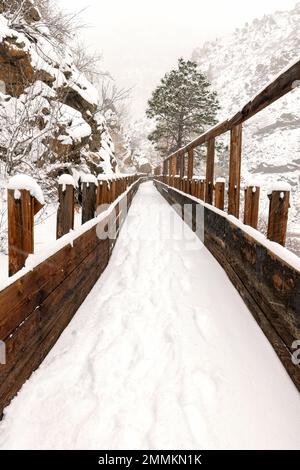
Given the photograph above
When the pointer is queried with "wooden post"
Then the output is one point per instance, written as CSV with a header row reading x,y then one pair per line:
x,y
220,194
65,212
173,165
210,165
190,171
251,206
193,186
235,171
182,165
88,200
20,213
103,196
112,189
202,189
278,216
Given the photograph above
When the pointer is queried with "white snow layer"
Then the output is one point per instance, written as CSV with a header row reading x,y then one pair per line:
x,y
24,182
65,180
154,359
88,178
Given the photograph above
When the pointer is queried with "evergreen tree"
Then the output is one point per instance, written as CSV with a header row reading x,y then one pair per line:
x,y
183,106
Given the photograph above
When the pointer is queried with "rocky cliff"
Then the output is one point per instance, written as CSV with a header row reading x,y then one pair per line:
x,y
49,118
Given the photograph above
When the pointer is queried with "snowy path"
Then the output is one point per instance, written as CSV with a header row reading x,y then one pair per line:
x,y
150,362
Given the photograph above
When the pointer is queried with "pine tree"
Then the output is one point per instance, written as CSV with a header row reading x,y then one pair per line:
x,y
183,105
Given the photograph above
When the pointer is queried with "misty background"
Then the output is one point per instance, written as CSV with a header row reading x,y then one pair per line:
x,y
141,41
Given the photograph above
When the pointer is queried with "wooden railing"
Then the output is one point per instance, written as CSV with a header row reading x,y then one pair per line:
x,y
172,172
40,300
96,193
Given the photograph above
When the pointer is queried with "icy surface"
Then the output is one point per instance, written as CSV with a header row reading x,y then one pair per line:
x,y
154,359
20,182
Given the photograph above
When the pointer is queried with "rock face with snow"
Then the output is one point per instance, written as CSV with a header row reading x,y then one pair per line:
x,y
49,116
239,66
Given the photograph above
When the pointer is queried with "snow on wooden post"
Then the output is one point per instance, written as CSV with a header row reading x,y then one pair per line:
x,y
25,199
279,197
210,165
89,187
235,171
251,206
220,193
112,188
65,212
103,196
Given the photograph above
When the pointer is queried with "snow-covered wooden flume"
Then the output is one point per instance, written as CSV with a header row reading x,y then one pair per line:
x,y
40,298
266,274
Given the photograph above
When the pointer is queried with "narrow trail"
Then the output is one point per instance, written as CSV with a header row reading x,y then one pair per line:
x,y
162,354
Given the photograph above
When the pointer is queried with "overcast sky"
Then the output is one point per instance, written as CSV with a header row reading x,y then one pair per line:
x,y
140,40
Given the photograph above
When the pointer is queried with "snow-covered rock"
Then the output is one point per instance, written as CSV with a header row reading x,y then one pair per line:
x,y
49,118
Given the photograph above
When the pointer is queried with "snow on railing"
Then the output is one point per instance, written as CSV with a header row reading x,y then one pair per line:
x,y
25,200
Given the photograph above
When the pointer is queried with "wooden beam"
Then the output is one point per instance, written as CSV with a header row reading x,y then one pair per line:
x,y
210,165
235,171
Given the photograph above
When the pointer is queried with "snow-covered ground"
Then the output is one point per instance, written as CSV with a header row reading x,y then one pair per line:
x,y
163,354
